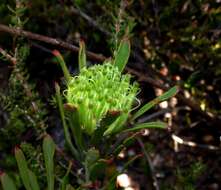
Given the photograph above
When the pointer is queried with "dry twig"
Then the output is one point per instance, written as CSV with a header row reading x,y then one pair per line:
x,y
8,56
49,40
90,20
178,140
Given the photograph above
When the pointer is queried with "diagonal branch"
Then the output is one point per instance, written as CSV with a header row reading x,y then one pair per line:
x,y
90,20
49,40
8,56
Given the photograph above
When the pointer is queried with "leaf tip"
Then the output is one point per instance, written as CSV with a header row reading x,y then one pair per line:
x,y
17,148
2,173
56,53
177,89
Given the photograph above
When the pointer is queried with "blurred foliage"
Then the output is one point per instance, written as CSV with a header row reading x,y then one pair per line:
x,y
26,114
187,178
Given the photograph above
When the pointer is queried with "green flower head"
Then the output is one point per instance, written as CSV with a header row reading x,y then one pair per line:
x,y
98,90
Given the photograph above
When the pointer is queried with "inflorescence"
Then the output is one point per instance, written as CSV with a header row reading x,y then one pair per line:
x,y
97,90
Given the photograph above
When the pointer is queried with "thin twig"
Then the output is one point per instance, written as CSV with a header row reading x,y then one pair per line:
x,y
49,40
8,56
152,169
90,20
179,140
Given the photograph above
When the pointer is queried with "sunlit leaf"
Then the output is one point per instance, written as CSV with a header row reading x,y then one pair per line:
x,y
76,129
66,131
82,56
116,125
62,64
122,54
171,92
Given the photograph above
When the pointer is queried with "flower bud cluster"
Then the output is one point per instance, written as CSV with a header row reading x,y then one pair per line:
x,y
97,90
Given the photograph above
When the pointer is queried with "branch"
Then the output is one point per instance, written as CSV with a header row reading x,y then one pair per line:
x,y
177,140
8,56
90,20
49,40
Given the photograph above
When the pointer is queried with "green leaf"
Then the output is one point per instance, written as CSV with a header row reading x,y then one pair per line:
x,y
7,182
23,168
155,101
64,180
66,131
48,151
160,125
76,129
116,126
97,170
62,64
129,140
82,56
170,93
33,181
122,54
92,156
118,149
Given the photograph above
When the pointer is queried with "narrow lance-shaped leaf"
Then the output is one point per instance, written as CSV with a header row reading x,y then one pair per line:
x,y
92,156
76,129
7,182
117,125
137,127
82,56
33,181
62,64
23,168
122,55
66,131
48,151
155,101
